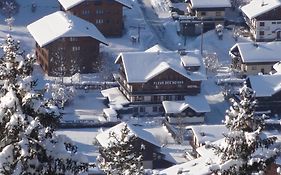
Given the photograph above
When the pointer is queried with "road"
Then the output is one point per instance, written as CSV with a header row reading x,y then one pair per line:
x,y
155,24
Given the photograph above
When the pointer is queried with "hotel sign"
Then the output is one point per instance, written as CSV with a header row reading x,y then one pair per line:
x,y
159,83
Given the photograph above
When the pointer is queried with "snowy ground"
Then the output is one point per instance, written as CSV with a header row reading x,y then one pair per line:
x,y
156,27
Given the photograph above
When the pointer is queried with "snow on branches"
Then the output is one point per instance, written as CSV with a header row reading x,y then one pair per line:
x,y
121,156
27,119
245,148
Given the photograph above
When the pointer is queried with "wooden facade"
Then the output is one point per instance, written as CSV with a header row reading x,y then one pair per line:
x,y
186,117
265,27
69,55
106,15
147,97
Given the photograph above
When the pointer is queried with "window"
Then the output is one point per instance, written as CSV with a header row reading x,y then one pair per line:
x,y
73,39
99,21
218,13
278,22
99,11
254,67
261,32
203,13
86,12
154,109
75,48
261,23
273,22
142,109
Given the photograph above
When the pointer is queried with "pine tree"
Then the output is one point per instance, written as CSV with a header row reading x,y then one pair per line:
x,y
246,149
121,156
28,144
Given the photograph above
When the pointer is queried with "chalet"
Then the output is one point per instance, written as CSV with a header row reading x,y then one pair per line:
x,y
66,44
153,156
106,15
264,19
191,110
147,78
252,58
268,90
211,13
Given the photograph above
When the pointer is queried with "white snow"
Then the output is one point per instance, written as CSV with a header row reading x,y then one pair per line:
x,y
60,24
209,4
259,52
257,7
198,103
208,133
142,66
104,139
68,4
272,82
116,99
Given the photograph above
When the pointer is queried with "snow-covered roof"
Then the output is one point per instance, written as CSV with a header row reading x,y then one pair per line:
x,y
260,52
210,4
208,133
259,7
197,103
109,112
199,166
265,85
60,24
277,67
68,4
140,67
156,48
115,97
191,59
104,139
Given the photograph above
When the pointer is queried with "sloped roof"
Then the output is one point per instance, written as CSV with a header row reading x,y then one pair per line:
x,y
68,4
140,67
60,24
265,85
258,7
197,103
260,52
156,48
104,139
277,67
210,4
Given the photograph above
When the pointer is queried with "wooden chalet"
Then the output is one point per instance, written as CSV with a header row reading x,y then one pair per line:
x,y
211,13
264,19
66,44
253,58
147,78
191,110
153,156
106,15
268,92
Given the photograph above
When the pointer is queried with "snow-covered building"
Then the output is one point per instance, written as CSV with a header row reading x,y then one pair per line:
x,y
252,58
191,110
268,92
106,15
211,12
148,78
203,134
66,44
264,19
153,156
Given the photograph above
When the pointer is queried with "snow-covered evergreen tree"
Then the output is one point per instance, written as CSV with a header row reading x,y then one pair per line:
x,y
245,149
28,144
121,156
